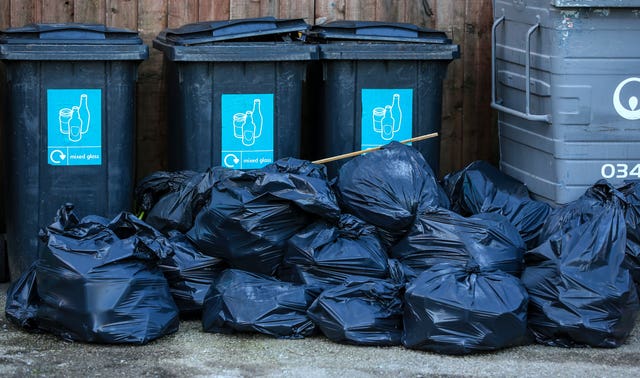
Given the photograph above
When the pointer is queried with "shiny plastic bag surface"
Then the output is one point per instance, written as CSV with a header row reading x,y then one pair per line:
x,y
442,236
190,274
97,283
463,310
388,188
175,207
482,188
581,292
325,254
360,313
251,215
241,301
631,192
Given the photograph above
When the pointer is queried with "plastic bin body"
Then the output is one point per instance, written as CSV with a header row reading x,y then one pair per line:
x,y
216,71
368,71
49,69
584,116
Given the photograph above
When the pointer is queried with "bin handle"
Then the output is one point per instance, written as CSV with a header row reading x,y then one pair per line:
x,y
494,104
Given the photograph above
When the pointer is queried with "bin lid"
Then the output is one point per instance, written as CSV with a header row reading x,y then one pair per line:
x,y
69,34
378,31
596,3
249,29
71,41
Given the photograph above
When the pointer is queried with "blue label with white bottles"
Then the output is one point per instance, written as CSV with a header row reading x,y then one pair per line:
x,y
386,116
247,130
74,126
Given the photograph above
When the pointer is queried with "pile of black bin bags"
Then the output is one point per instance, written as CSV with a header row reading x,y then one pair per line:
x,y
382,255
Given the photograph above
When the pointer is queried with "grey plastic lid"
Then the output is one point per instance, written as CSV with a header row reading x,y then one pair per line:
x,y
372,31
71,42
245,29
69,34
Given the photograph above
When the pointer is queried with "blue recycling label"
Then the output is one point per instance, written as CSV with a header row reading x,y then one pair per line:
x,y
247,130
386,116
74,126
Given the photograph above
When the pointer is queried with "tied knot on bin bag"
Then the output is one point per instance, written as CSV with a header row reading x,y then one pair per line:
x,y
466,309
581,289
326,254
97,281
388,188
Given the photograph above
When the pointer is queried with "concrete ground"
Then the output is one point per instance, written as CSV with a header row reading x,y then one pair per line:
x,y
193,353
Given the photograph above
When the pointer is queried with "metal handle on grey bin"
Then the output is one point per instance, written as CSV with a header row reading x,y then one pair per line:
x,y
494,103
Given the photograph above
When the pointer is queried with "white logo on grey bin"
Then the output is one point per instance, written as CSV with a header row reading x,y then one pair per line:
x,y
633,112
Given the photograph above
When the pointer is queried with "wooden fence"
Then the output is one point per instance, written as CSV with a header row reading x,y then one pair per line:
x,y
468,131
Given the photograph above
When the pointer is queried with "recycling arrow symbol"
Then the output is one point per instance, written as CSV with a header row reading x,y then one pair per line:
x,y
231,160
57,156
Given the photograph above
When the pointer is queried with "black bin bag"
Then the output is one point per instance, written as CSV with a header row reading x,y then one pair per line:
x,y
388,187
171,200
631,192
22,303
190,274
251,215
326,254
360,313
442,236
241,301
462,310
581,292
158,184
97,283
482,188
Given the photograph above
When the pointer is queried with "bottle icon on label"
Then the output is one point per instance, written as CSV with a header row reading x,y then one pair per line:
x,y
256,118
75,125
247,126
387,120
74,122
83,113
249,130
388,124
396,113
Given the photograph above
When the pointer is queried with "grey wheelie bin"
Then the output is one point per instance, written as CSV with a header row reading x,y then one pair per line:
x,y
566,77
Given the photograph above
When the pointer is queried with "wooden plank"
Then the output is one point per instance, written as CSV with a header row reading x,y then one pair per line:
x,y
479,140
420,12
90,11
360,10
5,15
213,10
181,12
329,10
152,18
244,9
297,9
390,10
450,18
268,8
57,11
24,12
151,136
122,14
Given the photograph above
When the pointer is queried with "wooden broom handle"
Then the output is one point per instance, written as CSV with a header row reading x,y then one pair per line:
x,y
356,153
